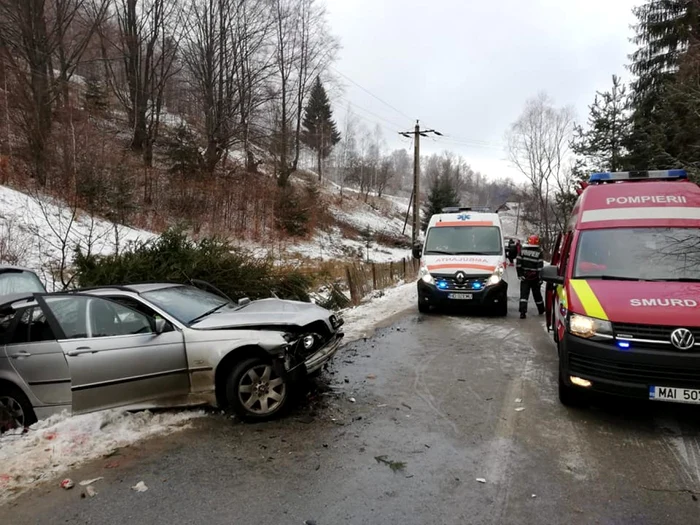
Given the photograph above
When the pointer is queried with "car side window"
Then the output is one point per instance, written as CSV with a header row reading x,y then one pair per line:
x,y
108,319
32,327
70,312
6,318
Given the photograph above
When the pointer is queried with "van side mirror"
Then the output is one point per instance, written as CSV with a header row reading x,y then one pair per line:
x,y
550,274
160,325
417,251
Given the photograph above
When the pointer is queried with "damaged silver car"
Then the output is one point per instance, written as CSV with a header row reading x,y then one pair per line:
x,y
156,345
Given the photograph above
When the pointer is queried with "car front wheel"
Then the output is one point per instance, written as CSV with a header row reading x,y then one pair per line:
x,y
255,391
15,409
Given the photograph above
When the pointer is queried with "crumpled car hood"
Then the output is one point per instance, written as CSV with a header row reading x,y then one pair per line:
x,y
265,312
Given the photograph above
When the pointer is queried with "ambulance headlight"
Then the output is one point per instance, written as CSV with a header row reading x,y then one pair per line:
x,y
589,327
496,277
424,274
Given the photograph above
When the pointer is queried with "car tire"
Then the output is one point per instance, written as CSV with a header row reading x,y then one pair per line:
x,y
250,387
423,306
15,409
570,396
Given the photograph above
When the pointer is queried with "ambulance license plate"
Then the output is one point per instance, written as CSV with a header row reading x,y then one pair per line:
x,y
677,395
462,296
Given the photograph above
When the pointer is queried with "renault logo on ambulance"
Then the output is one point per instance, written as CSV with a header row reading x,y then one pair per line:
x,y
683,339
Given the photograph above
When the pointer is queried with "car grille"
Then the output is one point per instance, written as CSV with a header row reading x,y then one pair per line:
x,y
467,285
633,372
653,336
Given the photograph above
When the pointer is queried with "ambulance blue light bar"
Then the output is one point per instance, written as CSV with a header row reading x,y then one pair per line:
x,y
457,209
614,176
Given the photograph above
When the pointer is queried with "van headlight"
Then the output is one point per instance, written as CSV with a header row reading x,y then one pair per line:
x,y
424,274
589,327
496,277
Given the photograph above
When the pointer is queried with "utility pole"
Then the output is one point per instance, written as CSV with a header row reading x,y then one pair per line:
x,y
417,133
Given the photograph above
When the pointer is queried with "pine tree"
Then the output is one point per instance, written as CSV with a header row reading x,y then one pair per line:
x,y
443,193
600,147
320,131
666,31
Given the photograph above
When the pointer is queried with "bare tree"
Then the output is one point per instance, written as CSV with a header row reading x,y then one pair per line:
x,y
146,48
36,37
538,146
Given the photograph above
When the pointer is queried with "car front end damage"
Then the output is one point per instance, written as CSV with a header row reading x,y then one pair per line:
x,y
311,347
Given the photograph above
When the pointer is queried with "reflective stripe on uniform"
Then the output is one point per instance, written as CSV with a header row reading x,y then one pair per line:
x,y
588,299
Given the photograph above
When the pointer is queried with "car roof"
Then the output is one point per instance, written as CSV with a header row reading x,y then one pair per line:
x,y
13,268
138,288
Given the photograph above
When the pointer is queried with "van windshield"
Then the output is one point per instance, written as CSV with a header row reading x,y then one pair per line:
x,y
639,254
463,240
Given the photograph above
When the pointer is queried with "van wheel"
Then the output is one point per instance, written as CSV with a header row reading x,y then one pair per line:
x,y
569,396
255,391
15,409
501,308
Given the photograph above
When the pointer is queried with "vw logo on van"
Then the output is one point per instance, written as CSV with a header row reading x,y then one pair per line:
x,y
460,277
683,339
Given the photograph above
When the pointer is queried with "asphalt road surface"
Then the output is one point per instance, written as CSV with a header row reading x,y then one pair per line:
x,y
435,409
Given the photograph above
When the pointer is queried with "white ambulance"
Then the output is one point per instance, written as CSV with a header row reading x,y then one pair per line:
x,y
463,261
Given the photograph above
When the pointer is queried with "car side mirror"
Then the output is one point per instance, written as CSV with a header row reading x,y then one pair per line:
x,y
550,274
417,251
243,301
160,325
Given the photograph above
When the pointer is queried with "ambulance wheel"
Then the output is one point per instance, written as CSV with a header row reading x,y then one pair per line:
x,y
501,308
570,396
423,306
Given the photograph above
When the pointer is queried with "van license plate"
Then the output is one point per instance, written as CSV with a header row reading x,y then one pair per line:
x,y
677,395
463,296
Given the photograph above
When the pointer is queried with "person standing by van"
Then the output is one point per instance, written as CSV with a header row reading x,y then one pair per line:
x,y
529,264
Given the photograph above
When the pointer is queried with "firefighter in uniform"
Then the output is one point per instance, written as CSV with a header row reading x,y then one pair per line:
x,y
529,264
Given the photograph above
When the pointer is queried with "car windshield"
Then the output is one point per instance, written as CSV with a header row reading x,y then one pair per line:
x,y
18,281
186,303
646,254
463,240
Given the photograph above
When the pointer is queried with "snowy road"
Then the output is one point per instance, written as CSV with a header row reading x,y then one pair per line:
x,y
437,404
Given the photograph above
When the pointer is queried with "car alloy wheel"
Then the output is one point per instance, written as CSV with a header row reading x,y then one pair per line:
x,y
261,390
11,414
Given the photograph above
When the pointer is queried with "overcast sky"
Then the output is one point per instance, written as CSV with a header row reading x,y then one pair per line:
x,y
466,67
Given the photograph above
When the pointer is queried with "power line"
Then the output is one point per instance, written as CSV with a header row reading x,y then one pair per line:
x,y
372,94
398,126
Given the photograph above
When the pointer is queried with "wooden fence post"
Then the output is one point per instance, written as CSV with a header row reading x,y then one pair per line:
x,y
404,268
374,277
391,270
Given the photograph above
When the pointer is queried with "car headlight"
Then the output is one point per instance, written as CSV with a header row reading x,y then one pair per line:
x,y
496,277
589,327
308,341
424,274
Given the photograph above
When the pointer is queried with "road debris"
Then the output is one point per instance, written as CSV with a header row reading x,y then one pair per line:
x,y
352,400
67,484
371,376
395,466
86,482
90,491
520,409
140,487
309,522
518,400
534,496
407,406
481,480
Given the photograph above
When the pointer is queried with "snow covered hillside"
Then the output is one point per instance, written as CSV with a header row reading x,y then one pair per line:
x,y
42,234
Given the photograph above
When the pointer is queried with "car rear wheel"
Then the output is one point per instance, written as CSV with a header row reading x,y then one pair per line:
x,y
15,409
255,391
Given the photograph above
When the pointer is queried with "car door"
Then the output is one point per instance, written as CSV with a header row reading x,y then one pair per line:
x,y
34,353
114,355
549,288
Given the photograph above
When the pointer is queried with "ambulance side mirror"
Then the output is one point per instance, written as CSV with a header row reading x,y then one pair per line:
x,y
550,274
417,251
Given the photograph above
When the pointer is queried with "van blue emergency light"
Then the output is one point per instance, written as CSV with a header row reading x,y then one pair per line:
x,y
614,176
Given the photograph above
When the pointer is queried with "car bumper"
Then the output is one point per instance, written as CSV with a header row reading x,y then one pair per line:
x,y
628,372
432,295
319,358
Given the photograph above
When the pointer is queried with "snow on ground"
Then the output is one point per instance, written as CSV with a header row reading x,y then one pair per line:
x,y
36,232
51,448
362,320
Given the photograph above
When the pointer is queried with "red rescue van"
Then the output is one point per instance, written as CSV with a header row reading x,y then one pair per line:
x,y
624,289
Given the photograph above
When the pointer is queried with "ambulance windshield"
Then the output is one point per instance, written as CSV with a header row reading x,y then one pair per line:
x,y
463,240
639,254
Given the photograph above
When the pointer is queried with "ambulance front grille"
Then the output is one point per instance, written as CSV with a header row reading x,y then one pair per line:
x,y
649,332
